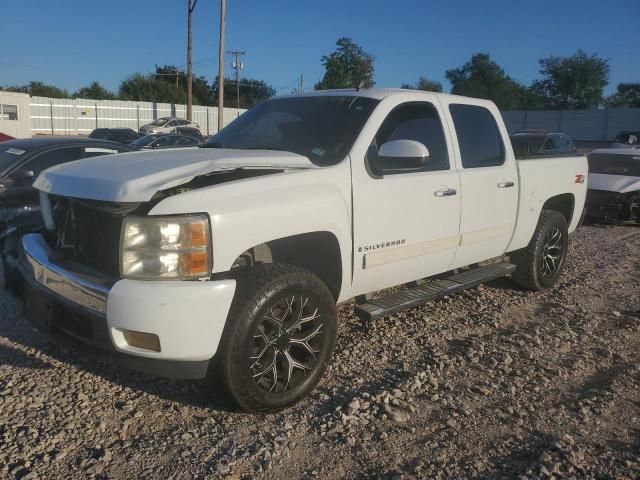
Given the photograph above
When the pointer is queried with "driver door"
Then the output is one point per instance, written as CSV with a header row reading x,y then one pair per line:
x,y
406,224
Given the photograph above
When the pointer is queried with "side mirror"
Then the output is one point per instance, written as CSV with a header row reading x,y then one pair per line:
x,y
401,156
23,175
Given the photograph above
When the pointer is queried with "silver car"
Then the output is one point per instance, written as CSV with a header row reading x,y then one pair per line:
x,y
166,125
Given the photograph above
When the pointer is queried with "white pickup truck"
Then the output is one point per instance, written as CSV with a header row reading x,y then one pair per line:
x,y
231,258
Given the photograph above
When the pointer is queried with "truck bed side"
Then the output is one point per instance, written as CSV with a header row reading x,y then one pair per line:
x,y
552,181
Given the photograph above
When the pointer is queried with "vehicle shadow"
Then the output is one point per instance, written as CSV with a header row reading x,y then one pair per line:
x,y
17,358
196,393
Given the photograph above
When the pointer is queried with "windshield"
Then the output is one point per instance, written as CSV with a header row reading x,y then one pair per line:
x,y
144,141
614,164
160,122
9,156
322,128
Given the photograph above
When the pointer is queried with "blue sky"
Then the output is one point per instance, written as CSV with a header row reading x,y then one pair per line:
x,y
71,42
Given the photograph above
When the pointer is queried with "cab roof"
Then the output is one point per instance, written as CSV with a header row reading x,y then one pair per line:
x,y
375,93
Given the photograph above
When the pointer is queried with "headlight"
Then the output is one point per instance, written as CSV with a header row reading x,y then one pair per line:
x,y
158,248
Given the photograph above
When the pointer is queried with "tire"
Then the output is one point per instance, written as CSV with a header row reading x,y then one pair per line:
x,y
540,263
10,254
264,334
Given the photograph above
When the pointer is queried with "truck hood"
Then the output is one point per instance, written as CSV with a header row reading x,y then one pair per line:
x,y
614,183
137,176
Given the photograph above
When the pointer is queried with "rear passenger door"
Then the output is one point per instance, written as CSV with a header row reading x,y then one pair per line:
x,y
488,182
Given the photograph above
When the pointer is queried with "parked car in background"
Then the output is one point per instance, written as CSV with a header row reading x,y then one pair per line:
x,y
164,140
166,124
21,161
614,184
120,135
532,143
189,131
5,137
627,139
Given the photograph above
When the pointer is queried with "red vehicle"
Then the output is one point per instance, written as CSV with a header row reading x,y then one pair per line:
x,y
4,138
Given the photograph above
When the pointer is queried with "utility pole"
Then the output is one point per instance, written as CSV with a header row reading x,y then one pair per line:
x,y
301,83
237,66
191,4
223,14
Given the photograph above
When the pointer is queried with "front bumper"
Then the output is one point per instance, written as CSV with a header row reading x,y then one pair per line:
x,y
613,206
188,317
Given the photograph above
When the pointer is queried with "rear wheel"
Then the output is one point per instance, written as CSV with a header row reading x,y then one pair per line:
x,y
279,336
540,263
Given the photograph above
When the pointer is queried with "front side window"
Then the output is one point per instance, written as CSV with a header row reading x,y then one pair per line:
x,y
187,141
478,136
160,122
143,141
419,122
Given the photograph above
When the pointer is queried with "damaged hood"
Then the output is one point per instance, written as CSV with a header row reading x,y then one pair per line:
x,y
614,183
137,176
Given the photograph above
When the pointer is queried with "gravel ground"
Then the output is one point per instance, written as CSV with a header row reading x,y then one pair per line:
x,y
494,383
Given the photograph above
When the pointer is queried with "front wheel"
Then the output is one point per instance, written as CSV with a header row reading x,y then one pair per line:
x,y
279,336
539,264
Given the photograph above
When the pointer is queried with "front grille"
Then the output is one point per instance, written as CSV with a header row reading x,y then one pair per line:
x,y
87,232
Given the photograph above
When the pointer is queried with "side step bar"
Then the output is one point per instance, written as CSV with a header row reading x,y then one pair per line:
x,y
432,290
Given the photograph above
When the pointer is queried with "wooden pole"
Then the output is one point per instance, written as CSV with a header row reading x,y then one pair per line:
x,y
223,14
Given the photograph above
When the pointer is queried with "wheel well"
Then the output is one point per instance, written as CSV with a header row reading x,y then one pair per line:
x,y
563,204
317,252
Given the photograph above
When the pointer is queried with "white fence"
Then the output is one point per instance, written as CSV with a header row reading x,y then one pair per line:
x,y
61,116
54,116
593,125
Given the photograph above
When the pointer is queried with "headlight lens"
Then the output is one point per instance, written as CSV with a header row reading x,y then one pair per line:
x,y
158,248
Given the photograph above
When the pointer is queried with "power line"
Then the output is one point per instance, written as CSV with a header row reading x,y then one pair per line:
x,y
237,66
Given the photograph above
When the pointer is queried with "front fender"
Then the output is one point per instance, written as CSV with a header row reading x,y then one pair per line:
x,y
249,212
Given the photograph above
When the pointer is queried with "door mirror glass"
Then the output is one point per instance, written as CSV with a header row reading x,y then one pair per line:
x,y
401,156
23,175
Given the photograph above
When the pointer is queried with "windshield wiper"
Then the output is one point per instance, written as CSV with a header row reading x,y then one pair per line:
x,y
264,148
212,145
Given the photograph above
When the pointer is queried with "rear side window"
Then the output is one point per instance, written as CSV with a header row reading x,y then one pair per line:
x,y
478,135
419,122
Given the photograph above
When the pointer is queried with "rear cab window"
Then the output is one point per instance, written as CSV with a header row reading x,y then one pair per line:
x,y
478,136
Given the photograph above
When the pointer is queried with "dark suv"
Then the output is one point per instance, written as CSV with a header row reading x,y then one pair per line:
x,y
120,135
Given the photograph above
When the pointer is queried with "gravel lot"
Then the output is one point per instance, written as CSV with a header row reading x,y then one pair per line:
x,y
493,383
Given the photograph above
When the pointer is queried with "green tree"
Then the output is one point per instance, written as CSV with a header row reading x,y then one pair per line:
x,y
424,84
349,66
40,89
94,91
252,91
572,82
148,88
627,95
481,77
202,94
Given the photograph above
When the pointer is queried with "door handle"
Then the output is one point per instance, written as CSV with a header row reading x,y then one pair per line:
x,y
445,192
506,184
